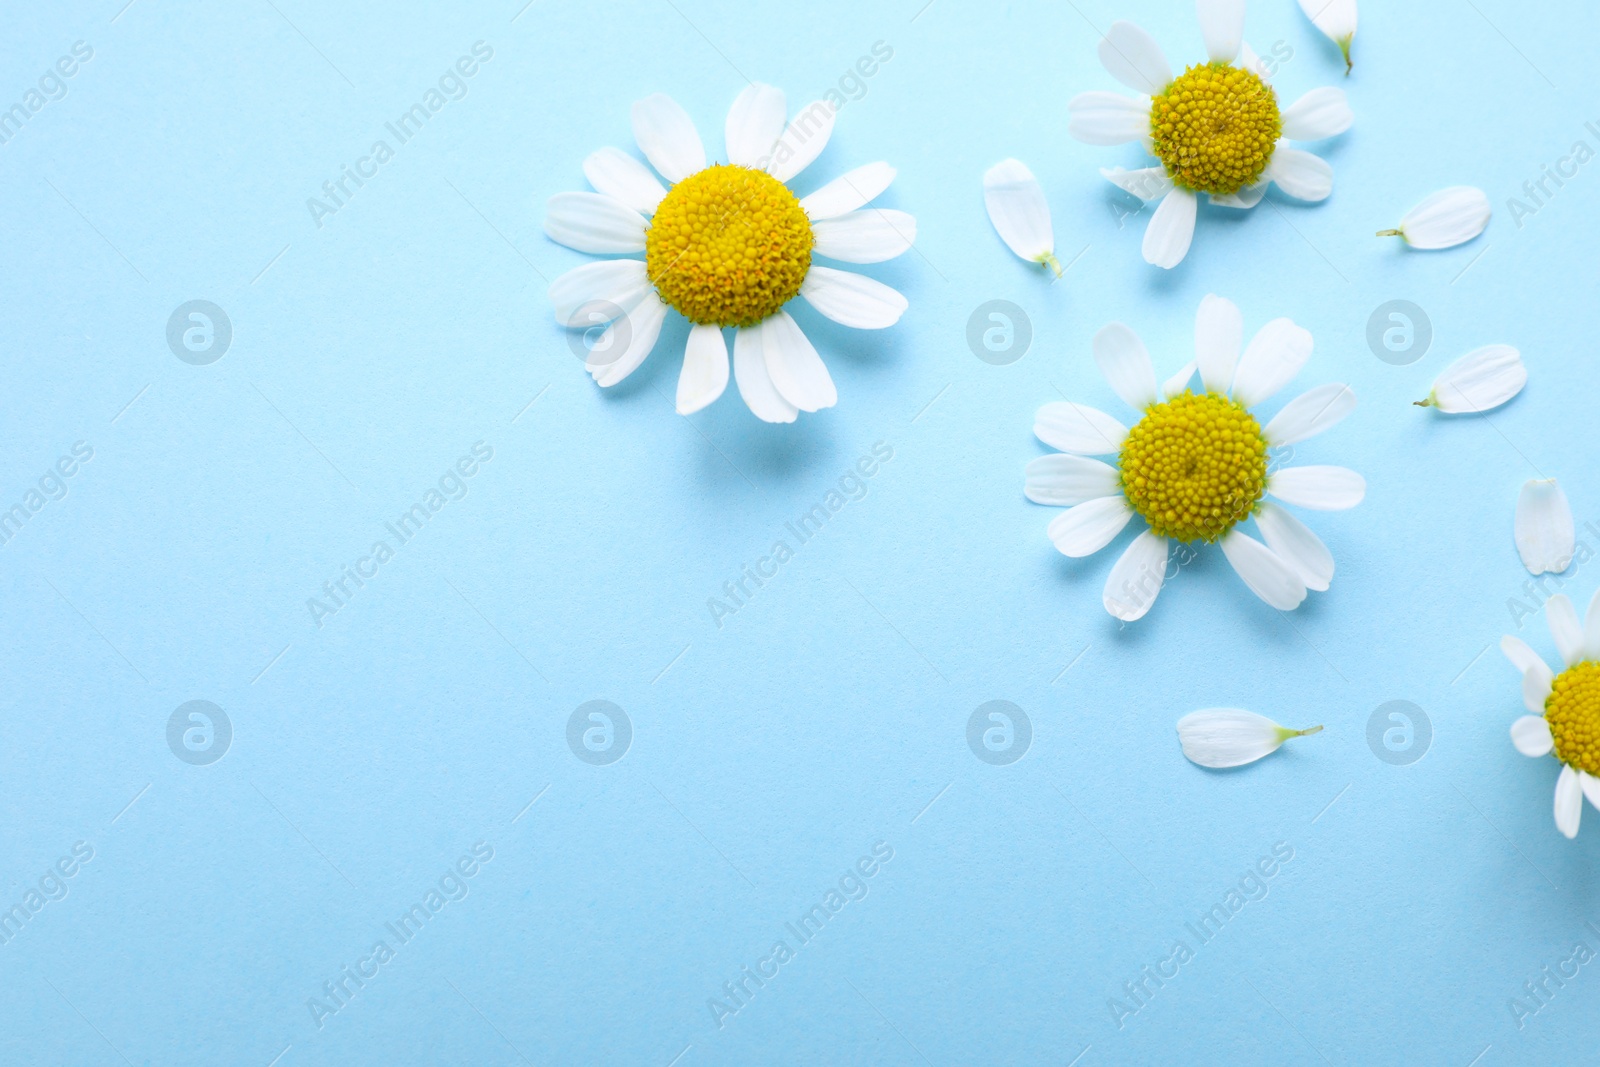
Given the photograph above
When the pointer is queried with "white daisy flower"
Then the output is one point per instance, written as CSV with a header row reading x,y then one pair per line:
x,y
726,245
1479,381
1228,737
1565,706
1216,128
1337,20
1546,535
1444,219
1194,467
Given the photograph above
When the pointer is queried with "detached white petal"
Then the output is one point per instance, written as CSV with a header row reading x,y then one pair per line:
x,y
1478,381
1569,801
1228,737
1445,219
1020,214
1171,229
1132,57
1107,119
1336,19
1531,735
1545,532
1125,362
1136,579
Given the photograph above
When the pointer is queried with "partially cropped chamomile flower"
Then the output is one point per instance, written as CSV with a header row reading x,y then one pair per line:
x,y
1564,706
1195,465
1217,128
728,245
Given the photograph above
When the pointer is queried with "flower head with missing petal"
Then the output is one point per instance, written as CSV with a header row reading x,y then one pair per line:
x,y
727,246
1564,706
1194,466
1217,128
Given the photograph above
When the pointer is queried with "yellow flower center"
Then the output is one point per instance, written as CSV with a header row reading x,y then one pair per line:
x,y
1215,128
1194,466
728,246
1573,712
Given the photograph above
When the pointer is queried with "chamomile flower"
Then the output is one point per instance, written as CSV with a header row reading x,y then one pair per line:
x,y
1194,466
727,245
1216,128
1565,706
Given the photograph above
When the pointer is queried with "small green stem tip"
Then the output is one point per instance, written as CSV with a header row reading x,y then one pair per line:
x,y
1344,46
1391,233
1284,733
1309,731
1428,403
1048,259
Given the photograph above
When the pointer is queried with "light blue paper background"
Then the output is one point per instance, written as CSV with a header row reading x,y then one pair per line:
x,y
830,713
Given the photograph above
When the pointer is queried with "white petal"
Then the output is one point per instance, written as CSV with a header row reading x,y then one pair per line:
x,y
1106,119
597,292
755,121
1222,26
1300,174
1323,112
852,299
1447,218
869,236
1591,629
1531,736
1569,801
1179,382
1545,534
1591,788
848,192
667,137
1171,229
705,369
1267,575
1079,429
1133,58
1228,737
1017,208
1245,198
1336,19
1537,681
626,342
594,223
1248,60
621,177
750,373
1147,183
803,141
1318,488
1296,545
1066,481
1310,413
1086,528
1136,579
1478,381
794,366
1565,628
1276,354
1122,358
1218,335
1517,651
